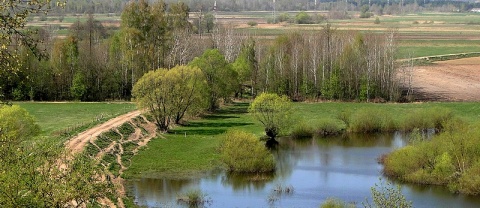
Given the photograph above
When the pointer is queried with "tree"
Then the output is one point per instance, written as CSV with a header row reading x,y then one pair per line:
x,y
246,66
170,94
273,112
13,17
221,78
30,175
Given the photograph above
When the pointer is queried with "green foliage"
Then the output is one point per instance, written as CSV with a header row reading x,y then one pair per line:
x,y
194,198
245,153
302,130
431,118
78,88
30,169
370,121
252,23
170,94
221,78
126,129
387,195
377,21
336,203
326,127
447,159
303,18
273,112
16,124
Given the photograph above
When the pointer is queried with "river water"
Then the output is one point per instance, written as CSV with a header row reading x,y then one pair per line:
x,y
316,169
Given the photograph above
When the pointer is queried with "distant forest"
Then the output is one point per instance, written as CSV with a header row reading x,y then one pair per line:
x,y
117,6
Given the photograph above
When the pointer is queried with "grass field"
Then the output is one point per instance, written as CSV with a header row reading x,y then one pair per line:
x,y
55,117
185,156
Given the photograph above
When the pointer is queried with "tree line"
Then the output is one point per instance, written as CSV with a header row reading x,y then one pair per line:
x,y
94,64
117,6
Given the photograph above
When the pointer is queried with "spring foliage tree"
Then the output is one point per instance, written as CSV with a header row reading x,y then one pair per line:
x,y
273,111
221,78
13,17
171,94
30,175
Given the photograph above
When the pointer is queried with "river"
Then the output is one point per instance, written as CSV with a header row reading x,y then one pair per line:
x,y
316,169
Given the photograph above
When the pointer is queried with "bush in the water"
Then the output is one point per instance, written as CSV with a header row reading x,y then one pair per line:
x,y
194,198
244,152
387,195
336,203
450,158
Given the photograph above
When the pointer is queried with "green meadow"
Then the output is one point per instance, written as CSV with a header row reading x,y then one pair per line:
x,y
59,117
190,150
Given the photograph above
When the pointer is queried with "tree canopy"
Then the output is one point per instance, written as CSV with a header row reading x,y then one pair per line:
x,y
171,94
221,78
272,111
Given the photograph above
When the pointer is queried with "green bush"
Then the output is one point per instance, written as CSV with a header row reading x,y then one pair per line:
x,y
449,158
252,23
370,121
388,195
327,127
429,118
336,203
243,152
194,198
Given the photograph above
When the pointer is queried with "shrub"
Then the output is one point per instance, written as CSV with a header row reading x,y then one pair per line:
x,y
431,118
252,23
377,21
302,130
194,198
469,182
327,127
336,203
388,195
243,152
371,121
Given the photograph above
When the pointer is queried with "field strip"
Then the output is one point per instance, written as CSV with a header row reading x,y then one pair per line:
x,y
77,143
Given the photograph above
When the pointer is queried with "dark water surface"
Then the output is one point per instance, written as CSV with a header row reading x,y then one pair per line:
x,y
317,169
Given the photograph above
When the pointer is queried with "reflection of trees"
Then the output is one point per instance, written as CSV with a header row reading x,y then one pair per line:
x,y
157,190
247,181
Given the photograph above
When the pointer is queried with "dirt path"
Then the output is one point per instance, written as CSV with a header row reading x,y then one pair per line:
x,y
77,143
453,80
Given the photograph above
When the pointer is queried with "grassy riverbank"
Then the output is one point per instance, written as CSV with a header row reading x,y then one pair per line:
x,y
184,156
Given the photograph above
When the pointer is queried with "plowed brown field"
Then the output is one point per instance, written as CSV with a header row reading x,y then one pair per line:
x,y
453,80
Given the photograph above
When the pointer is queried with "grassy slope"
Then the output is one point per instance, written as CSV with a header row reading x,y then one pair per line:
x,y
53,117
180,156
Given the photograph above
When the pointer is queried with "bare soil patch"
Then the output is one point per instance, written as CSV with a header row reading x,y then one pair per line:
x,y
453,80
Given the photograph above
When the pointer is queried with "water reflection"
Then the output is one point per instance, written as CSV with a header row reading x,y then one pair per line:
x,y
344,167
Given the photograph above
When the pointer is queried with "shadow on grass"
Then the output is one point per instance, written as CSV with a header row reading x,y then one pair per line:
x,y
235,108
218,117
204,132
203,124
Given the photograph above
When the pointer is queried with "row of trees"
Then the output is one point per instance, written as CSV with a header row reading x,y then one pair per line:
x,y
94,64
117,6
